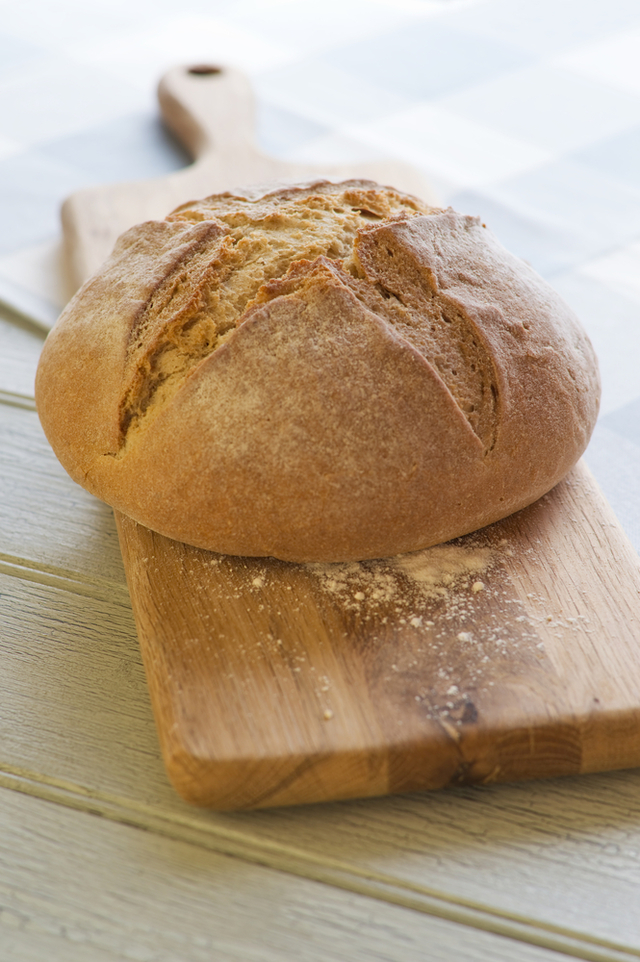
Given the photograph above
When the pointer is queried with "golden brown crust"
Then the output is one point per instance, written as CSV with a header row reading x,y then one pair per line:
x,y
325,372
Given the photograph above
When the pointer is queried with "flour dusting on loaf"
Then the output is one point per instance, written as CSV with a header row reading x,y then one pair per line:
x,y
317,373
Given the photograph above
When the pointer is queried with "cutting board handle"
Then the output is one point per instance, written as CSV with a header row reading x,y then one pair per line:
x,y
209,108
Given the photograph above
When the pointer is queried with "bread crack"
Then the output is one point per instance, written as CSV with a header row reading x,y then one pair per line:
x,y
235,248
415,304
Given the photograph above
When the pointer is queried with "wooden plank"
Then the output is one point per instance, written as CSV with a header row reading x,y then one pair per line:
x,y
20,349
564,853
46,518
553,863
76,888
71,663
47,523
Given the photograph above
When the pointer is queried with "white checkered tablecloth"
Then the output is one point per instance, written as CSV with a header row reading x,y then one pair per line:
x,y
526,112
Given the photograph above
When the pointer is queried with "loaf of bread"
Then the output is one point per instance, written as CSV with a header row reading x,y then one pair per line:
x,y
316,373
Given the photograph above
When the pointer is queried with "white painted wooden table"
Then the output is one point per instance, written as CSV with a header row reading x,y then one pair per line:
x,y
99,859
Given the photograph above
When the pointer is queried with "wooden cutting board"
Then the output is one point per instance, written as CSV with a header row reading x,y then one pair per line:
x,y
509,654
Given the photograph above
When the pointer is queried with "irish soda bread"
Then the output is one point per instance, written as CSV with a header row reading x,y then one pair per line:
x,y
322,372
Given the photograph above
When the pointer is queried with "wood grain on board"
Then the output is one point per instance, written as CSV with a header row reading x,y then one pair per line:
x,y
509,654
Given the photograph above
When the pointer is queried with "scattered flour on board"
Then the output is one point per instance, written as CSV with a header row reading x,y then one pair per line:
x,y
431,574
437,569
451,595
453,622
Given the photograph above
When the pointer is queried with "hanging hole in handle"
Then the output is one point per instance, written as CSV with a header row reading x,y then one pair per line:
x,y
204,70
